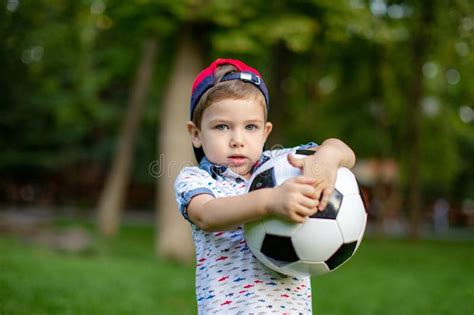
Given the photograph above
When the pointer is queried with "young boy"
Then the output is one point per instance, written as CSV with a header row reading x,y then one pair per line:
x,y
228,129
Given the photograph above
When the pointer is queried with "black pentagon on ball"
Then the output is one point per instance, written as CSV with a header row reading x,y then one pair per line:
x,y
341,255
265,179
279,249
332,208
305,152
362,197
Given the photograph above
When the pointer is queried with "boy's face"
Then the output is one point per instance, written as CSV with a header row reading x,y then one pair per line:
x,y
232,133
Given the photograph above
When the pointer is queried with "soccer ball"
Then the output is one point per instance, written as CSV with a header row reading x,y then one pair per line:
x,y
322,243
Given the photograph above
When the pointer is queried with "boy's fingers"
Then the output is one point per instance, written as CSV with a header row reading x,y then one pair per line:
x,y
294,161
305,180
307,189
313,195
306,211
298,217
325,199
310,192
317,194
309,204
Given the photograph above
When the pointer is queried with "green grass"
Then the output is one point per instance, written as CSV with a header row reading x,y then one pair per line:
x,y
123,277
400,277
115,277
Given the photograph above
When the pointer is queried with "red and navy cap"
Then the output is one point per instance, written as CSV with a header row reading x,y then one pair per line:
x,y
206,80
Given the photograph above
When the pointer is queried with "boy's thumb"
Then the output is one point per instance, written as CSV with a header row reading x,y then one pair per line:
x,y
295,162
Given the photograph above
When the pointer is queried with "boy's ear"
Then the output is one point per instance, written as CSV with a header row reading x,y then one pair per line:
x,y
195,134
267,129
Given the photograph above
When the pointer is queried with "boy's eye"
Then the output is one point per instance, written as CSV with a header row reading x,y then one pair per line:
x,y
221,127
251,127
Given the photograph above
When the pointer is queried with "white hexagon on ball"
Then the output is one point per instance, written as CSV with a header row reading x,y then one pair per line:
x,y
305,268
318,230
346,182
351,218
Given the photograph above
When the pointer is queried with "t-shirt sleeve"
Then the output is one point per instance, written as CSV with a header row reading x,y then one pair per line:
x,y
191,182
280,151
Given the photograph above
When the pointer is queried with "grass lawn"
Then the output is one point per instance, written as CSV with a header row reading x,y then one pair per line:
x,y
400,277
123,277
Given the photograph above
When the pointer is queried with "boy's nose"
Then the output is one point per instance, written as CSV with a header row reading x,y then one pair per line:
x,y
236,141
235,144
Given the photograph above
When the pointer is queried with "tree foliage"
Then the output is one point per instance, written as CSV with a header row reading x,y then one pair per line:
x,y
67,67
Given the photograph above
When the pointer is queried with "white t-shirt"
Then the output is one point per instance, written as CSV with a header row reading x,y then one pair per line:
x,y
229,279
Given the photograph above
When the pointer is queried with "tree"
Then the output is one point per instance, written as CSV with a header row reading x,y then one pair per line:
x,y
114,192
420,45
173,238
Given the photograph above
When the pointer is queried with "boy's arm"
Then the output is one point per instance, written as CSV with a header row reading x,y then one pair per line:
x,y
294,200
330,155
339,151
323,165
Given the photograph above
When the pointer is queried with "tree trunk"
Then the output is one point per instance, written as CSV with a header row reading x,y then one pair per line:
x,y
280,71
173,238
380,189
420,46
114,192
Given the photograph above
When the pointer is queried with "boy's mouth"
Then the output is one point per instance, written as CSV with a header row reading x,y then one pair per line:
x,y
237,160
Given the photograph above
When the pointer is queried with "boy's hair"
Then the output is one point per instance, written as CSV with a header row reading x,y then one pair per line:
x,y
232,89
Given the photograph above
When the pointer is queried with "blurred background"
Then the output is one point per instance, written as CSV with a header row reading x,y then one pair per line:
x,y
94,98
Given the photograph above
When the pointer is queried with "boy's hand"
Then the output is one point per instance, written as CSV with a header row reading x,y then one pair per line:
x,y
295,199
322,167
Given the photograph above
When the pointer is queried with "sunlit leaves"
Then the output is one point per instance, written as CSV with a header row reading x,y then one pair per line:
x,y
297,32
